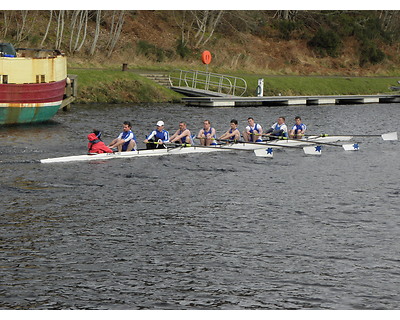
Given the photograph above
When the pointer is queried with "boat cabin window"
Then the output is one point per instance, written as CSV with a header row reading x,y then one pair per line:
x,y
4,79
40,78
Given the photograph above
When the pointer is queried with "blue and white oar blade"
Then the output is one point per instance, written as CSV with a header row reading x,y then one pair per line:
x,y
389,136
266,153
351,147
313,150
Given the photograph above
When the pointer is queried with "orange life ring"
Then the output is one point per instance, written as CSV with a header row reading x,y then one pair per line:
x,y
206,57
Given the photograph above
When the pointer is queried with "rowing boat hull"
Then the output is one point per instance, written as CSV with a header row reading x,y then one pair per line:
x,y
277,144
134,154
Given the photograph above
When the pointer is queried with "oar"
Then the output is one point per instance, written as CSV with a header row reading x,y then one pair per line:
x,y
310,150
307,149
215,146
385,136
177,145
266,153
218,144
346,147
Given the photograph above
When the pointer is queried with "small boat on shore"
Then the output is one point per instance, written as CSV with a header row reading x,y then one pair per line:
x,y
32,84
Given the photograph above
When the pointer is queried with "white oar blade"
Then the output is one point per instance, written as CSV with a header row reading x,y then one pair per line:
x,y
313,150
351,147
266,153
389,136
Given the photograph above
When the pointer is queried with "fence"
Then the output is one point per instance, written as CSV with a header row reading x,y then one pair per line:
x,y
215,82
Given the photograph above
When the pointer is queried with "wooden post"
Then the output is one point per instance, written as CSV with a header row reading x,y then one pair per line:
x,y
124,67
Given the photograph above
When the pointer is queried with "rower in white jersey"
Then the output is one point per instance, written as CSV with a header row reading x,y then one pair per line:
x,y
278,129
157,137
182,135
253,131
207,135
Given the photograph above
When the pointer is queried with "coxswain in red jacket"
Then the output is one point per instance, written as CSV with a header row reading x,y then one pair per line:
x,y
95,145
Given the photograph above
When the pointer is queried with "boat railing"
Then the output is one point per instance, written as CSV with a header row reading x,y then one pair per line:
x,y
38,53
229,85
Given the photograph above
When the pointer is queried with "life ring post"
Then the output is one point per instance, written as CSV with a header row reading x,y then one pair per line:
x,y
206,58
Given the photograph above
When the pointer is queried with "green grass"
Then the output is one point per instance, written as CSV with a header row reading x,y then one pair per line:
x,y
115,86
302,86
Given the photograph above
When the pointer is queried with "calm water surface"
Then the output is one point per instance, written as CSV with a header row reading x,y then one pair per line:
x,y
201,231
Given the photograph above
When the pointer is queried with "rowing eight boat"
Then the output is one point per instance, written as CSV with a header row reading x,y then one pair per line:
x,y
133,154
276,144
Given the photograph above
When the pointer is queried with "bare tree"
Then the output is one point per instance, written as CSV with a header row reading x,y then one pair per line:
x,y
185,23
21,25
72,24
389,19
213,23
7,20
78,29
60,28
96,33
206,21
289,15
24,25
47,29
118,18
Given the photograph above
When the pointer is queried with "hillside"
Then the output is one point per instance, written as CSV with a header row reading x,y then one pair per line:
x,y
263,49
351,43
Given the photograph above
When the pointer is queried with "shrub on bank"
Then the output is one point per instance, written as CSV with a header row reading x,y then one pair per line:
x,y
370,53
326,42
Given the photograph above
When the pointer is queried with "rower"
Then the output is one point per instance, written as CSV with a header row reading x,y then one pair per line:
x,y
126,141
207,135
157,138
233,134
253,131
278,129
182,135
298,130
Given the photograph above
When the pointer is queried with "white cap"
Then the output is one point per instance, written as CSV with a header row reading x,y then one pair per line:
x,y
160,123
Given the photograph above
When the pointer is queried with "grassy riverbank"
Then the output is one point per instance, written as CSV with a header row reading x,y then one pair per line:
x,y
112,86
115,86
320,85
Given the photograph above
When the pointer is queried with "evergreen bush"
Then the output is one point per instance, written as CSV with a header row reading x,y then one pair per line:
x,y
370,53
326,42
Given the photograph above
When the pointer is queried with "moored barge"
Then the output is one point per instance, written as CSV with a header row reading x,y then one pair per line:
x,y
32,84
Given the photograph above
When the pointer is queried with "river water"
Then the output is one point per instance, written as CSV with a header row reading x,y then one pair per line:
x,y
201,231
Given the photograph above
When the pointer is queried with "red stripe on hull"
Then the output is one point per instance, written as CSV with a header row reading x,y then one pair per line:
x,y
32,92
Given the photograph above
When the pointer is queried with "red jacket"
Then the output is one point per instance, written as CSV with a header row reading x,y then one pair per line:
x,y
95,145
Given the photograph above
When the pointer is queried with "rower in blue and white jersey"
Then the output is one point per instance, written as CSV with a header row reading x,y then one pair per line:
x,y
158,137
182,135
233,134
298,130
278,129
253,131
126,141
207,135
